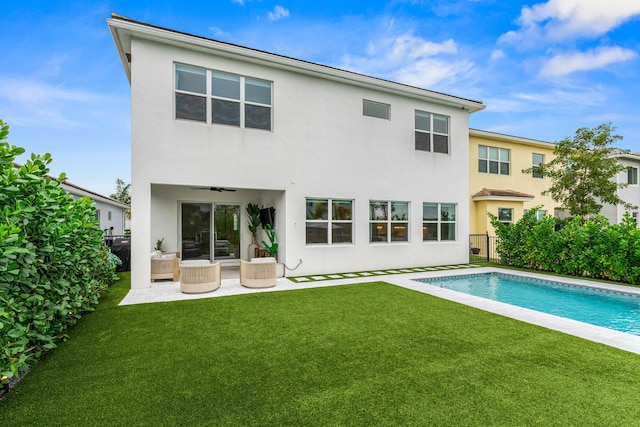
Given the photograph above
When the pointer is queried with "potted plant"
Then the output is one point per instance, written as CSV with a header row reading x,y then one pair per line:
x,y
159,243
272,246
253,219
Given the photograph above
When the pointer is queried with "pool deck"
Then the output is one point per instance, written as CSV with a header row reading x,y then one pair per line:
x,y
170,291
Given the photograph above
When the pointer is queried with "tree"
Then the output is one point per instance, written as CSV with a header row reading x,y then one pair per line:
x,y
123,194
583,171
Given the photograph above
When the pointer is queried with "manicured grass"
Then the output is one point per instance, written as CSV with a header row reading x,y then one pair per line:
x,y
369,354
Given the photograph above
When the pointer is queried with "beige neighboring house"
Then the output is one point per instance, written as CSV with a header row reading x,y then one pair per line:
x,y
497,184
109,212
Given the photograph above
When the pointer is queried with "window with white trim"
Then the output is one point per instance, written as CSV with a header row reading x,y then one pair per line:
x,y
632,175
438,222
98,214
432,132
493,160
388,221
540,213
329,221
536,160
376,109
505,215
216,97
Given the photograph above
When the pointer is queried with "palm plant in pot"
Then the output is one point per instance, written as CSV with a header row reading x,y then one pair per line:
x,y
253,219
272,246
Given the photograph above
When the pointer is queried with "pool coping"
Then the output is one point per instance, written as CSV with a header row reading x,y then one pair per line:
x,y
584,330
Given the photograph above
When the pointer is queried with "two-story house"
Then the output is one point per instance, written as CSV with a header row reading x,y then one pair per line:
x,y
630,194
497,184
361,173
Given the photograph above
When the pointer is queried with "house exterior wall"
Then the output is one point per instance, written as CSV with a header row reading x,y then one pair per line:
x,y
521,151
320,146
629,194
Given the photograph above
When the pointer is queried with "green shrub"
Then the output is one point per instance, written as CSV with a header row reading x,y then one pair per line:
x,y
53,264
592,248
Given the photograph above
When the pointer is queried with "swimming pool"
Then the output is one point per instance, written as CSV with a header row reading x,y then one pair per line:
x,y
608,308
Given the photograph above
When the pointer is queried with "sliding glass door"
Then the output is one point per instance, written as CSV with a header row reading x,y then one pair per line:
x,y
202,221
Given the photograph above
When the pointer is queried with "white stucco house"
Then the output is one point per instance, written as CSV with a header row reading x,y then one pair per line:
x,y
630,194
109,212
362,173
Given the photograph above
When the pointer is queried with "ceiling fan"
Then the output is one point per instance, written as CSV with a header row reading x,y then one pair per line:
x,y
218,189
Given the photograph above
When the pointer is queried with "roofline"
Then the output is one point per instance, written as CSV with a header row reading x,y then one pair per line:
x,y
122,29
511,138
503,198
91,194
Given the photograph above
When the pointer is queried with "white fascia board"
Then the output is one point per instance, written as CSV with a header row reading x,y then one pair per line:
x,y
122,31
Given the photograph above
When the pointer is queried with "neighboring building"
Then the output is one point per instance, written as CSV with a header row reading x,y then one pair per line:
x,y
496,182
111,213
630,194
362,173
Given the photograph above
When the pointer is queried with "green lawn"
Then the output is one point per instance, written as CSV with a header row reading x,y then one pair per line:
x,y
368,354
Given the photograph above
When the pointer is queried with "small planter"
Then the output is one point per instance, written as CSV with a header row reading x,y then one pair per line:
x,y
475,251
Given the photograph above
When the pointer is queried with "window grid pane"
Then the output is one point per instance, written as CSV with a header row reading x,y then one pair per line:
x,y
324,229
439,222
431,128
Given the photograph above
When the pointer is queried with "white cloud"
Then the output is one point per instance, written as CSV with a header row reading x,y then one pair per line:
x,y
278,13
496,55
564,64
411,60
561,19
240,2
219,33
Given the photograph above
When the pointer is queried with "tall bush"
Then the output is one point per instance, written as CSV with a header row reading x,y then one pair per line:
x,y
592,248
53,264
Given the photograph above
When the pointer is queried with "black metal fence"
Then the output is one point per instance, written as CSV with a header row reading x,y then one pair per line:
x,y
482,247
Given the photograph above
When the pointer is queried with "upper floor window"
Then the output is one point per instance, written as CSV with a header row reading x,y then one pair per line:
x,y
505,215
329,221
230,99
109,215
493,160
632,175
536,160
438,221
376,109
432,132
388,221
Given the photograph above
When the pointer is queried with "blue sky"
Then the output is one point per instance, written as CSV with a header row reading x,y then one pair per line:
x,y
543,68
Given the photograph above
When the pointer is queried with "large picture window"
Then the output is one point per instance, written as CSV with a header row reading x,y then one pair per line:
x,y
329,221
388,221
493,160
432,132
438,222
230,99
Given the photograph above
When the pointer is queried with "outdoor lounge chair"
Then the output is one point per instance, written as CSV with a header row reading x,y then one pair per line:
x,y
165,266
259,273
199,276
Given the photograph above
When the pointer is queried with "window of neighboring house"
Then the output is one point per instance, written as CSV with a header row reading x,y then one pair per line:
x,y
376,109
98,214
634,215
493,160
234,100
632,175
537,160
324,226
438,221
109,215
505,215
388,221
432,132
540,213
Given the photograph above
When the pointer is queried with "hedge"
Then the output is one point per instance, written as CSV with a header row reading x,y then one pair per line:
x,y
593,248
53,264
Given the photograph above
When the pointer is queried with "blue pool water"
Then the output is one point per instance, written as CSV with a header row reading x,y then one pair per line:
x,y
611,309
